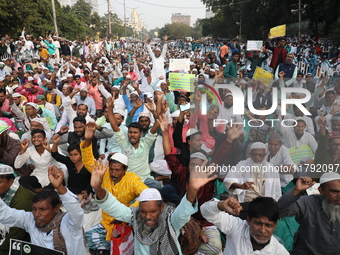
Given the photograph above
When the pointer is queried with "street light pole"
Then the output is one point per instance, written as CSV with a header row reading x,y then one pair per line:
x,y
109,19
54,18
124,19
299,20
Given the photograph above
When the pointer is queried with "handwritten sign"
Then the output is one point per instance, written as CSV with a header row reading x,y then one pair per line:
x,y
254,45
18,247
181,64
263,76
277,31
300,152
182,82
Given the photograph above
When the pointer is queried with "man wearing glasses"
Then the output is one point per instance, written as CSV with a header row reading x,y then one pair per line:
x,y
253,177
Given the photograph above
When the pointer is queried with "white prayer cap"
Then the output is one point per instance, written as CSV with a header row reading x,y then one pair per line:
x,y
124,71
6,169
191,131
84,89
143,114
39,120
120,112
134,93
150,195
73,101
30,78
69,75
330,176
16,95
160,167
212,70
128,77
194,69
258,145
35,106
158,49
175,114
199,155
120,157
63,79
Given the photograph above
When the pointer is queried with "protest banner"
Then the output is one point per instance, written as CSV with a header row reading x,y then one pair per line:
x,y
182,82
182,64
277,31
18,247
263,76
254,45
300,152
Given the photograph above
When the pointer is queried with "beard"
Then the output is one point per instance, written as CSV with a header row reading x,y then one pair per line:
x,y
331,211
83,97
289,62
145,230
227,105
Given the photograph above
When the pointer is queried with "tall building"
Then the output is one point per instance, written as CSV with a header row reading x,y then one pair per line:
x,y
93,3
179,18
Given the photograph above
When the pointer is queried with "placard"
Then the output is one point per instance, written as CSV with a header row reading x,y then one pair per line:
x,y
263,76
277,31
18,247
182,82
300,152
180,64
254,45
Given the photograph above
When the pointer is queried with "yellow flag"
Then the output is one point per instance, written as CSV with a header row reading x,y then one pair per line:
x,y
277,31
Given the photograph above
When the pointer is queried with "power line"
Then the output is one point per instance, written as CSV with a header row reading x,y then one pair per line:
x,y
166,6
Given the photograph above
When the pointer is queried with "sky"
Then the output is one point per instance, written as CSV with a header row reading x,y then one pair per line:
x,y
155,16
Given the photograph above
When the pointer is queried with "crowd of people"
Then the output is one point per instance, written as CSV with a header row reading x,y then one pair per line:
x,y
95,124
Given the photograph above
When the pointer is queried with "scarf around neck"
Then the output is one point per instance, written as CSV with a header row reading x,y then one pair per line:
x,y
58,239
162,240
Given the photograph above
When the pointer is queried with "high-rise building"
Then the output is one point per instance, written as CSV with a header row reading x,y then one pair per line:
x,y
179,18
93,3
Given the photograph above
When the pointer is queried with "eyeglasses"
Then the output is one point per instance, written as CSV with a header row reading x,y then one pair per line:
x,y
257,155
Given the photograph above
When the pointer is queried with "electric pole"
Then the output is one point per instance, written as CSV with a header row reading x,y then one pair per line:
x,y
124,19
54,18
109,19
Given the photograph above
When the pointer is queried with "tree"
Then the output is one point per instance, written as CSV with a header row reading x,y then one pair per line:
x,y
258,16
175,31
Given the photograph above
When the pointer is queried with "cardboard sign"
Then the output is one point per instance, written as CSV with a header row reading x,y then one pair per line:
x,y
18,247
182,82
181,64
254,45
278,31
300,152
263,76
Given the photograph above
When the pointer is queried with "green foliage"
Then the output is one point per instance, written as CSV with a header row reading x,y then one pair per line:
x,y
74,22
258,16
175,31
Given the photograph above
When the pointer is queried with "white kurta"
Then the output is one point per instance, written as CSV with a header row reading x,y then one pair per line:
x,y
238,233
244,173
70,226
157,63
282,157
